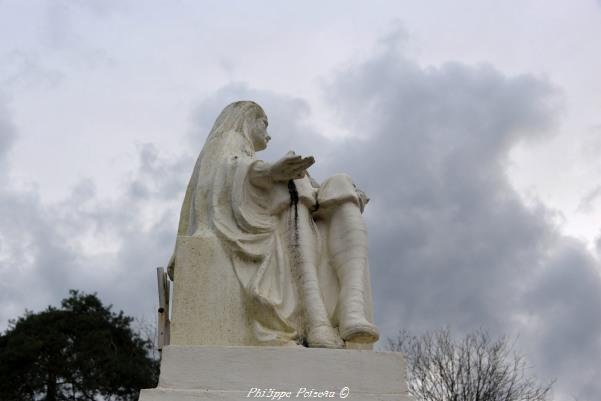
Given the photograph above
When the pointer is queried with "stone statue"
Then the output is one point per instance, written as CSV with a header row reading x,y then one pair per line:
x,y
274,257
267,256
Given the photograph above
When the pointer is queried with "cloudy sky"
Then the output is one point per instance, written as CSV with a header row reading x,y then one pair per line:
x,y
473,125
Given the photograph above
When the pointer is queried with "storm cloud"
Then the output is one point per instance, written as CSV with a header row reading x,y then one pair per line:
x,y
451,242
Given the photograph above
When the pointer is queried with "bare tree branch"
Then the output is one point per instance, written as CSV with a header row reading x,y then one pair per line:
x,y
476,368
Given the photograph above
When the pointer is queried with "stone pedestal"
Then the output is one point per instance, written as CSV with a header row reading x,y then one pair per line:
x,y
214,373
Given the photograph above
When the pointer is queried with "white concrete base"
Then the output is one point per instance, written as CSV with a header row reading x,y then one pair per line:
x,y
212,373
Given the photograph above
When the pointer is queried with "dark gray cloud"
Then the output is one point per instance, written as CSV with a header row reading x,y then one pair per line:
x,y
451,241
565,329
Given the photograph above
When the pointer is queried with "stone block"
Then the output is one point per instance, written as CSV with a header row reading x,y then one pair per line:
x,y
207,373
209,305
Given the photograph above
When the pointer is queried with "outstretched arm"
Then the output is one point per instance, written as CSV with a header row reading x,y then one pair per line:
x,y
289,167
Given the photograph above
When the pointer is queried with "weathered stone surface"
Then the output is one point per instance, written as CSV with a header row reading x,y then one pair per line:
x,y
230,373
208,306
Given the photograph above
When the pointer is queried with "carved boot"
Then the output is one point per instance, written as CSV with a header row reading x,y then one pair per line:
x,y
348,247
352,314
323,337
319,332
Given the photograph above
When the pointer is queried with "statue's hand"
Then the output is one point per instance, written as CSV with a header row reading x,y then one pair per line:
x,y
291,167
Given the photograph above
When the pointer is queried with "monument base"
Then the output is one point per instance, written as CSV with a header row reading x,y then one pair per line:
x,y
213,373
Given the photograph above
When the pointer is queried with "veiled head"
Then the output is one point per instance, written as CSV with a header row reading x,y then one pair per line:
x,y
245,117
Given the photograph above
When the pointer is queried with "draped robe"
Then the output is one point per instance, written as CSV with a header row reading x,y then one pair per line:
x,y
253,223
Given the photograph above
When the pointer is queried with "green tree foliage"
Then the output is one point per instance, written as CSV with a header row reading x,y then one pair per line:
x,y
81,351
474,368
